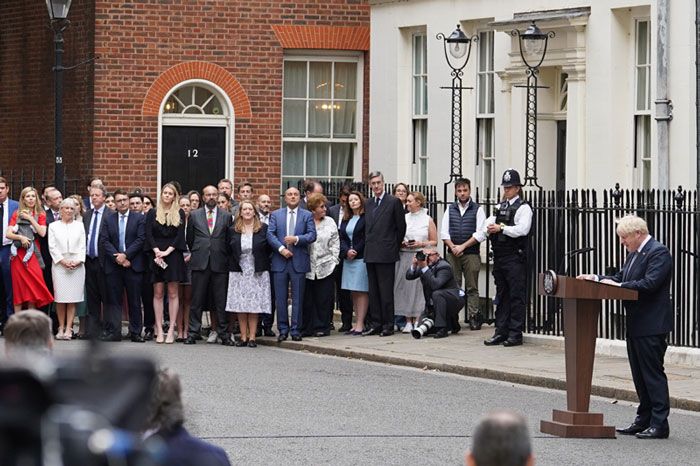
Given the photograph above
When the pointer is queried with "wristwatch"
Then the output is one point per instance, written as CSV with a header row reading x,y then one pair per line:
x,y
503,226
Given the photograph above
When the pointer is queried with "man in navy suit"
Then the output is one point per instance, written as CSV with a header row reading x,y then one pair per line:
x,y
52,200
385,228
290,232
648,269
7,208
122,258
95,284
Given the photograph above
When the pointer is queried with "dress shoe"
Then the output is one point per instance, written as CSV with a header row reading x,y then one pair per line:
x,y
323,334
148,334
495,340
136,338
456,329
296,338
344,328
282,337
227,341
267,332
240,343
252,344
632,429
191,340
653,432
441,333
386,333
372,331
513,342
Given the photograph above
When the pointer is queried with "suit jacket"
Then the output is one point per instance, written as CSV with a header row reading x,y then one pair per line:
x,y
12,207
439,276
304,229
358,238
44,244
261,250
650,274
385,228
135,237
87,220
334,213
209,250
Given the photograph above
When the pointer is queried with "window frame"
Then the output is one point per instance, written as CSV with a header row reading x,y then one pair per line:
x,y
482,118
419,121
642,160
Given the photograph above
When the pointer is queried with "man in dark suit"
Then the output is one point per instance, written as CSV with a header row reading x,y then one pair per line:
x,y
122,258
7,208
343,297
290,232
95,284
385,228
207,233
443,299
648,269
52,200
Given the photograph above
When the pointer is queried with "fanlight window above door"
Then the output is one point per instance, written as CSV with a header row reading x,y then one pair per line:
x,y
194,100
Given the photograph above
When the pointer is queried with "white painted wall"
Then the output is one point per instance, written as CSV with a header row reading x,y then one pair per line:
x,y
600,120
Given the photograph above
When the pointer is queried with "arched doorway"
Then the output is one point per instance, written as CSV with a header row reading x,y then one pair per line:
x,y
196,132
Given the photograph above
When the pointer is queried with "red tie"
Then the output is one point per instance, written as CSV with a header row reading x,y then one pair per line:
x,y
210,220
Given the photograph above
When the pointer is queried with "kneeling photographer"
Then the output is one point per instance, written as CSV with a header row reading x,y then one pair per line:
x,y
443,299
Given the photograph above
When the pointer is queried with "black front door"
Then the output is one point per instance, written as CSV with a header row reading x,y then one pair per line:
x,y
193,156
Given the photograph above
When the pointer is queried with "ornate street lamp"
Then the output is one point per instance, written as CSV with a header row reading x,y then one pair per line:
x,y
458,48
58,14
533,45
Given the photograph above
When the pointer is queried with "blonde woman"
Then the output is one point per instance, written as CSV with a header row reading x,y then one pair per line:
x,y
165,236
67,247
28,286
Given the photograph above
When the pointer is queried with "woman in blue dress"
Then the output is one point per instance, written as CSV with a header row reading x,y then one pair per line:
x,y
352,251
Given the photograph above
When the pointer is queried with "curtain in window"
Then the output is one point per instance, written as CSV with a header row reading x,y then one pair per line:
x,y
341,160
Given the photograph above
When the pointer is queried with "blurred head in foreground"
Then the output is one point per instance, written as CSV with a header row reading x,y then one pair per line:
x,y
28,333
501,439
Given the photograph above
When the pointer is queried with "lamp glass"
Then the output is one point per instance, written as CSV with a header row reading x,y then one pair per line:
x,y
533,45
58,9
458,49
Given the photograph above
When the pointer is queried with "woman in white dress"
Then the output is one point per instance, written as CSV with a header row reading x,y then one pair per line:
x,y
249,272
67,248
421,232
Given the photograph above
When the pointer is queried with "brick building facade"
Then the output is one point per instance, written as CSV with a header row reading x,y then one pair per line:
x,y
194,89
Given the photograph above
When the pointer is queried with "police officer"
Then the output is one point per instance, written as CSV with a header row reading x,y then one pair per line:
x,y
508,231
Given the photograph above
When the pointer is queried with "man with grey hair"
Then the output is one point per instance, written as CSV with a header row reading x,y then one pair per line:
x,y
501,439
166,422
28,333
647,269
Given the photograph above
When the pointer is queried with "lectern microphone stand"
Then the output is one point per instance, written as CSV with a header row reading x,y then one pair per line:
x,y
582,305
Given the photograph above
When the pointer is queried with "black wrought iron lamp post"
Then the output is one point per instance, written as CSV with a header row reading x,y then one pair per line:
x,y
457,46
58,14
533,45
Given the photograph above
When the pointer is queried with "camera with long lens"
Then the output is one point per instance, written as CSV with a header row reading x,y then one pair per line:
x,y
421,329
83,411
420,256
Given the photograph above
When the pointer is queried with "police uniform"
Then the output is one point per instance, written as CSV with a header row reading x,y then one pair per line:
x,y
509,245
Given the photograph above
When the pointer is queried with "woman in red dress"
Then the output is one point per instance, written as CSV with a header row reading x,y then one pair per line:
x,y
28,286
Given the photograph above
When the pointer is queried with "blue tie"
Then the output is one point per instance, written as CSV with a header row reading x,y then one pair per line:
x,y
92,249
122,233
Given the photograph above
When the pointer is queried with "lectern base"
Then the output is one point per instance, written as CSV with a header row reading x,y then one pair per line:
x,y
572,424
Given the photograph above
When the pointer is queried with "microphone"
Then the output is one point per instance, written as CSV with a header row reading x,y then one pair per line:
x,y
567,258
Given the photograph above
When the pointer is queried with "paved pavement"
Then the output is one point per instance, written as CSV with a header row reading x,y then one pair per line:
x,y
539,362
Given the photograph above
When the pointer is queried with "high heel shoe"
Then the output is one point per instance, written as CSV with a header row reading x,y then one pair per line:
x,y
68,334
160,338
170,338
59,335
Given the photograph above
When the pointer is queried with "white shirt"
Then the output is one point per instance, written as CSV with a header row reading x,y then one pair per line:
x,y
523,221
265,218
445,225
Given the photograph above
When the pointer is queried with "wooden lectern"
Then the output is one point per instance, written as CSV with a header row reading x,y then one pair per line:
x,y
582,305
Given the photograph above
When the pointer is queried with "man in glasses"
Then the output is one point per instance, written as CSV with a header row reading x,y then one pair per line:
x,y
443,299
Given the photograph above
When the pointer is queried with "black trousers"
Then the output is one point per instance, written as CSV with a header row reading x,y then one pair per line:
x,y
509,273
95,295
317,312
646,355
381,295
149,316
206,283
118,281
343,298
444,305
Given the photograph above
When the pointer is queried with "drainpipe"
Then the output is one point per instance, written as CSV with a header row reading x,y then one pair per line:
x,y
664,107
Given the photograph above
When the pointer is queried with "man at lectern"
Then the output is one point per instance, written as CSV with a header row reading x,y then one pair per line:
x,y
647,269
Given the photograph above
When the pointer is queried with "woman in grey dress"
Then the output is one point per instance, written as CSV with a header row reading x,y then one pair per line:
x,y
249,272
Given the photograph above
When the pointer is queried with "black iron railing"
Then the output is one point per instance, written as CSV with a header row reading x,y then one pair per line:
x,y
38,178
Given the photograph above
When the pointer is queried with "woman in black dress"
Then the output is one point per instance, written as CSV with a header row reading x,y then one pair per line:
x,y
165,236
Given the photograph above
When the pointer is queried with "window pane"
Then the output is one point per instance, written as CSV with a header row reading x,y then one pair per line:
x,y
185,95
344,119
320,80
320,118
483,52
317,159
294,122
425,95
295,79
341,160
213,107
483,91
345,81
201,95
642,77
417,54
642,31
293,159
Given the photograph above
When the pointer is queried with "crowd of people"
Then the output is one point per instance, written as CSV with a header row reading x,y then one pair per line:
x,y
164,263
